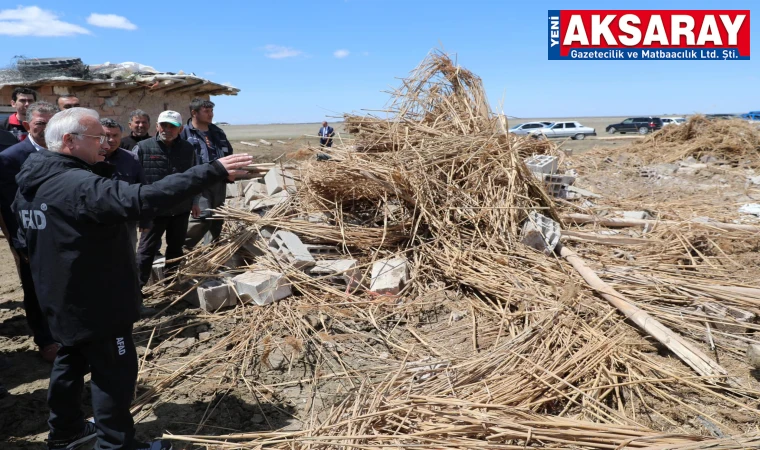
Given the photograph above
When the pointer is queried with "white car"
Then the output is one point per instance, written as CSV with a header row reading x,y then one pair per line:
x,y
572,130
673,121
526,128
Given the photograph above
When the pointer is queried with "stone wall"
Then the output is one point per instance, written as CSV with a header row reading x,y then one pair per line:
x,y
116,104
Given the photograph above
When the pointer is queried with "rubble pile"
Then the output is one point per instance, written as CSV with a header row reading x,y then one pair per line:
x,y
432,251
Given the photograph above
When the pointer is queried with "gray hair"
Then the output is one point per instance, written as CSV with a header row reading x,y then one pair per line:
x,y
138,113
110,123
40,107
68,121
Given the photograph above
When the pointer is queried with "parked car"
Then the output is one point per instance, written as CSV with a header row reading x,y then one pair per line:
x,y
641,125
721,116
752,116
673,121
572,130
526,128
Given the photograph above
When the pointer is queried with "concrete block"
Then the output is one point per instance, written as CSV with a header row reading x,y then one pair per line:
x,y
157,271
540,232
389,276
556,179
753,356
288,248
254,191
214,294
315,249
542,164
262,286
338,271
269,201
278,180
233,190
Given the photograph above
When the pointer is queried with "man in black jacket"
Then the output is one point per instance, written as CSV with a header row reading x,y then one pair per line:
x,y
139,129
37,116
210,144
161,156
73,223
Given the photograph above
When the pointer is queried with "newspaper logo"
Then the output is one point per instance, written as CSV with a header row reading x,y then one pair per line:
x,y
718,35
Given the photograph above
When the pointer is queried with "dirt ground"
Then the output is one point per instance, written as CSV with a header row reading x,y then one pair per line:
x,y
182,333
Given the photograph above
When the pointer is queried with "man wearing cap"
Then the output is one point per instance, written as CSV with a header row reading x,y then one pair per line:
x,y
162,155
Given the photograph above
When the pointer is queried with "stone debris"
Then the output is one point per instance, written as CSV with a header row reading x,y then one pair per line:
x,y
157,271
389,276
540,232
289,249
750,208
261,286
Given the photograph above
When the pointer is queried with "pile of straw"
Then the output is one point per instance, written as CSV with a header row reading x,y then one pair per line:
x,y
734,141
538,360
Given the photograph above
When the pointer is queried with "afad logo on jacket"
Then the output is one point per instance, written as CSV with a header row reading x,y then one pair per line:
x,y
33,219
649,35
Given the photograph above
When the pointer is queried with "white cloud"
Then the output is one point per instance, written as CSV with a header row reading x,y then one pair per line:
x,y
210,73
342,53
365,53
34,21
111,21
280,52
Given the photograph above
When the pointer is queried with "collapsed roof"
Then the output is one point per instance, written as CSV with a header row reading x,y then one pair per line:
x,y
128,75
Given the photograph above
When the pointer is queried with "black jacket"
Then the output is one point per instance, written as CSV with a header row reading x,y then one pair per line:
x,y
7,139
73,223
10,165
159,160
129,142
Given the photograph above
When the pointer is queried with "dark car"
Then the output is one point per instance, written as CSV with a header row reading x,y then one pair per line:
x,y
641,125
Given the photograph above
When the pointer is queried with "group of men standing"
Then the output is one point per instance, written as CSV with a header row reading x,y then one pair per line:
x,y
73,192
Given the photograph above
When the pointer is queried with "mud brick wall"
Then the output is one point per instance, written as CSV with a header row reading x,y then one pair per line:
x,y
116,104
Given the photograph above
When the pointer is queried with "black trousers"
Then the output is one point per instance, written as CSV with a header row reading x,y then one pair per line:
x,y
150,242
113,364
34,315
325,142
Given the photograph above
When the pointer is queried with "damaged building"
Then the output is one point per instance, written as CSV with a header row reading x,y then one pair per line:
x,y
111,89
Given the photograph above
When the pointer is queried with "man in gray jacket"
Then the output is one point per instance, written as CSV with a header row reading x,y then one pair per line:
x,y
210,144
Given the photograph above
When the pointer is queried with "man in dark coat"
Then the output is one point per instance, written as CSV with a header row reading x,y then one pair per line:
x,y
37,116
326,134
73,220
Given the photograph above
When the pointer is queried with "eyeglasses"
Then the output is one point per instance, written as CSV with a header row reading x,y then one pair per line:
x,y
101,137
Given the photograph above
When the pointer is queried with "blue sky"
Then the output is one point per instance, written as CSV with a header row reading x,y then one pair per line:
x,y
301,61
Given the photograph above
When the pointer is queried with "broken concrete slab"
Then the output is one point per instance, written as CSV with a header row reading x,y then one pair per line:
x,y
214,294
233,190
262,286
277,180
288,248
389,276
254,191
157,270
540,232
